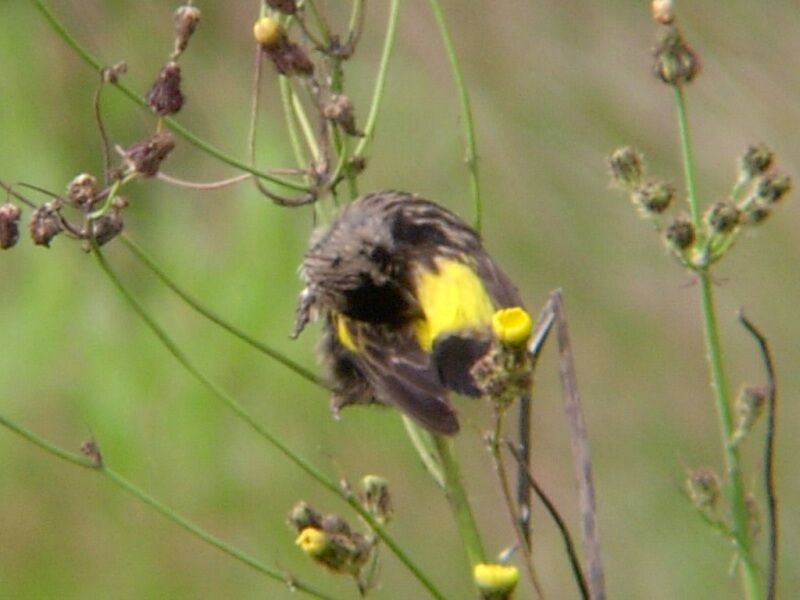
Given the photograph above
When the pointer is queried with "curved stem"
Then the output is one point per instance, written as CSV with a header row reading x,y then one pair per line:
x,y
239,410
734,490
471,156
380,80
118,480
459,504
151,264
179,129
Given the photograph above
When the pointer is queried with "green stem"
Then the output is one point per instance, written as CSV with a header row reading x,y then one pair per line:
x,y
291,121
151,264
459,504
245,416
471,156
734,489
117,479
688,159
179,129
380,79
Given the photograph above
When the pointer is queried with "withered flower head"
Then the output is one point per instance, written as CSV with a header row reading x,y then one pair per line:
x,y
676,63
82,191
339,110
186,20
680,233
45,223
107,227
9,225
773,187
289,58
627,166
144,158
112,74
722,217
654,195
755,161
165,97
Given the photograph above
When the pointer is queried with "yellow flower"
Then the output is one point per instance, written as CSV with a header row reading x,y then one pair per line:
x,y
512,326
495,582
312,541
268,31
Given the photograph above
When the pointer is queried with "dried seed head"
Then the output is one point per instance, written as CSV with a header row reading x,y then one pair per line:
x,y
302,516
287,7
289,58
9,225
165,97
750,405
144,158
627,166
755,161
703,488
495,581
662,11
680,233
376,498
45,223
186,20
112,74
90,449
755,214
653,195
722,217
676,63
107,227
339,110
771,188
268,32
339,552
82,191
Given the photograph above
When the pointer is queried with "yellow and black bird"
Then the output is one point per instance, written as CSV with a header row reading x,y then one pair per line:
x,y
410,302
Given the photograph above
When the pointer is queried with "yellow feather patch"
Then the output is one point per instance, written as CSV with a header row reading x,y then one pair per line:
x,y
452,299
344,334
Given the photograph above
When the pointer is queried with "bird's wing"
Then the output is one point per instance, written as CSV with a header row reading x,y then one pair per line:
x,y
403,375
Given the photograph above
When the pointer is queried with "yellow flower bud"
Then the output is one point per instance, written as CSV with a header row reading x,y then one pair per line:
x,y
512,326
313,542
495,582
268,32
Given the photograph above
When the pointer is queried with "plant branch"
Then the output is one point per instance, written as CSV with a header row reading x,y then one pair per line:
x,y
265,434
471,156
170,514
459,504
179,129
769,456
569,545
580,453
733,488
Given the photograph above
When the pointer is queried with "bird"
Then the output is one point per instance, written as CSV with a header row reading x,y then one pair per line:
x,y
409,300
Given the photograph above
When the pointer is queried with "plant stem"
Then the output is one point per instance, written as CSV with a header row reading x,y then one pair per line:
x,y
380,79
84,54
151,264
734,489
459,504
117,479
471,156
265,434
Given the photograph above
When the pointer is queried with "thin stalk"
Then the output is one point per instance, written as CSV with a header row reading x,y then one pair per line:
x,y
276,355
179,129
734,489
291,122
471,155
502,477
459,504
380,80
265,434
423,443
118,480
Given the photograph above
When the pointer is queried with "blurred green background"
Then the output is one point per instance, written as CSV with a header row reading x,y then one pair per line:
x,y
555,87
